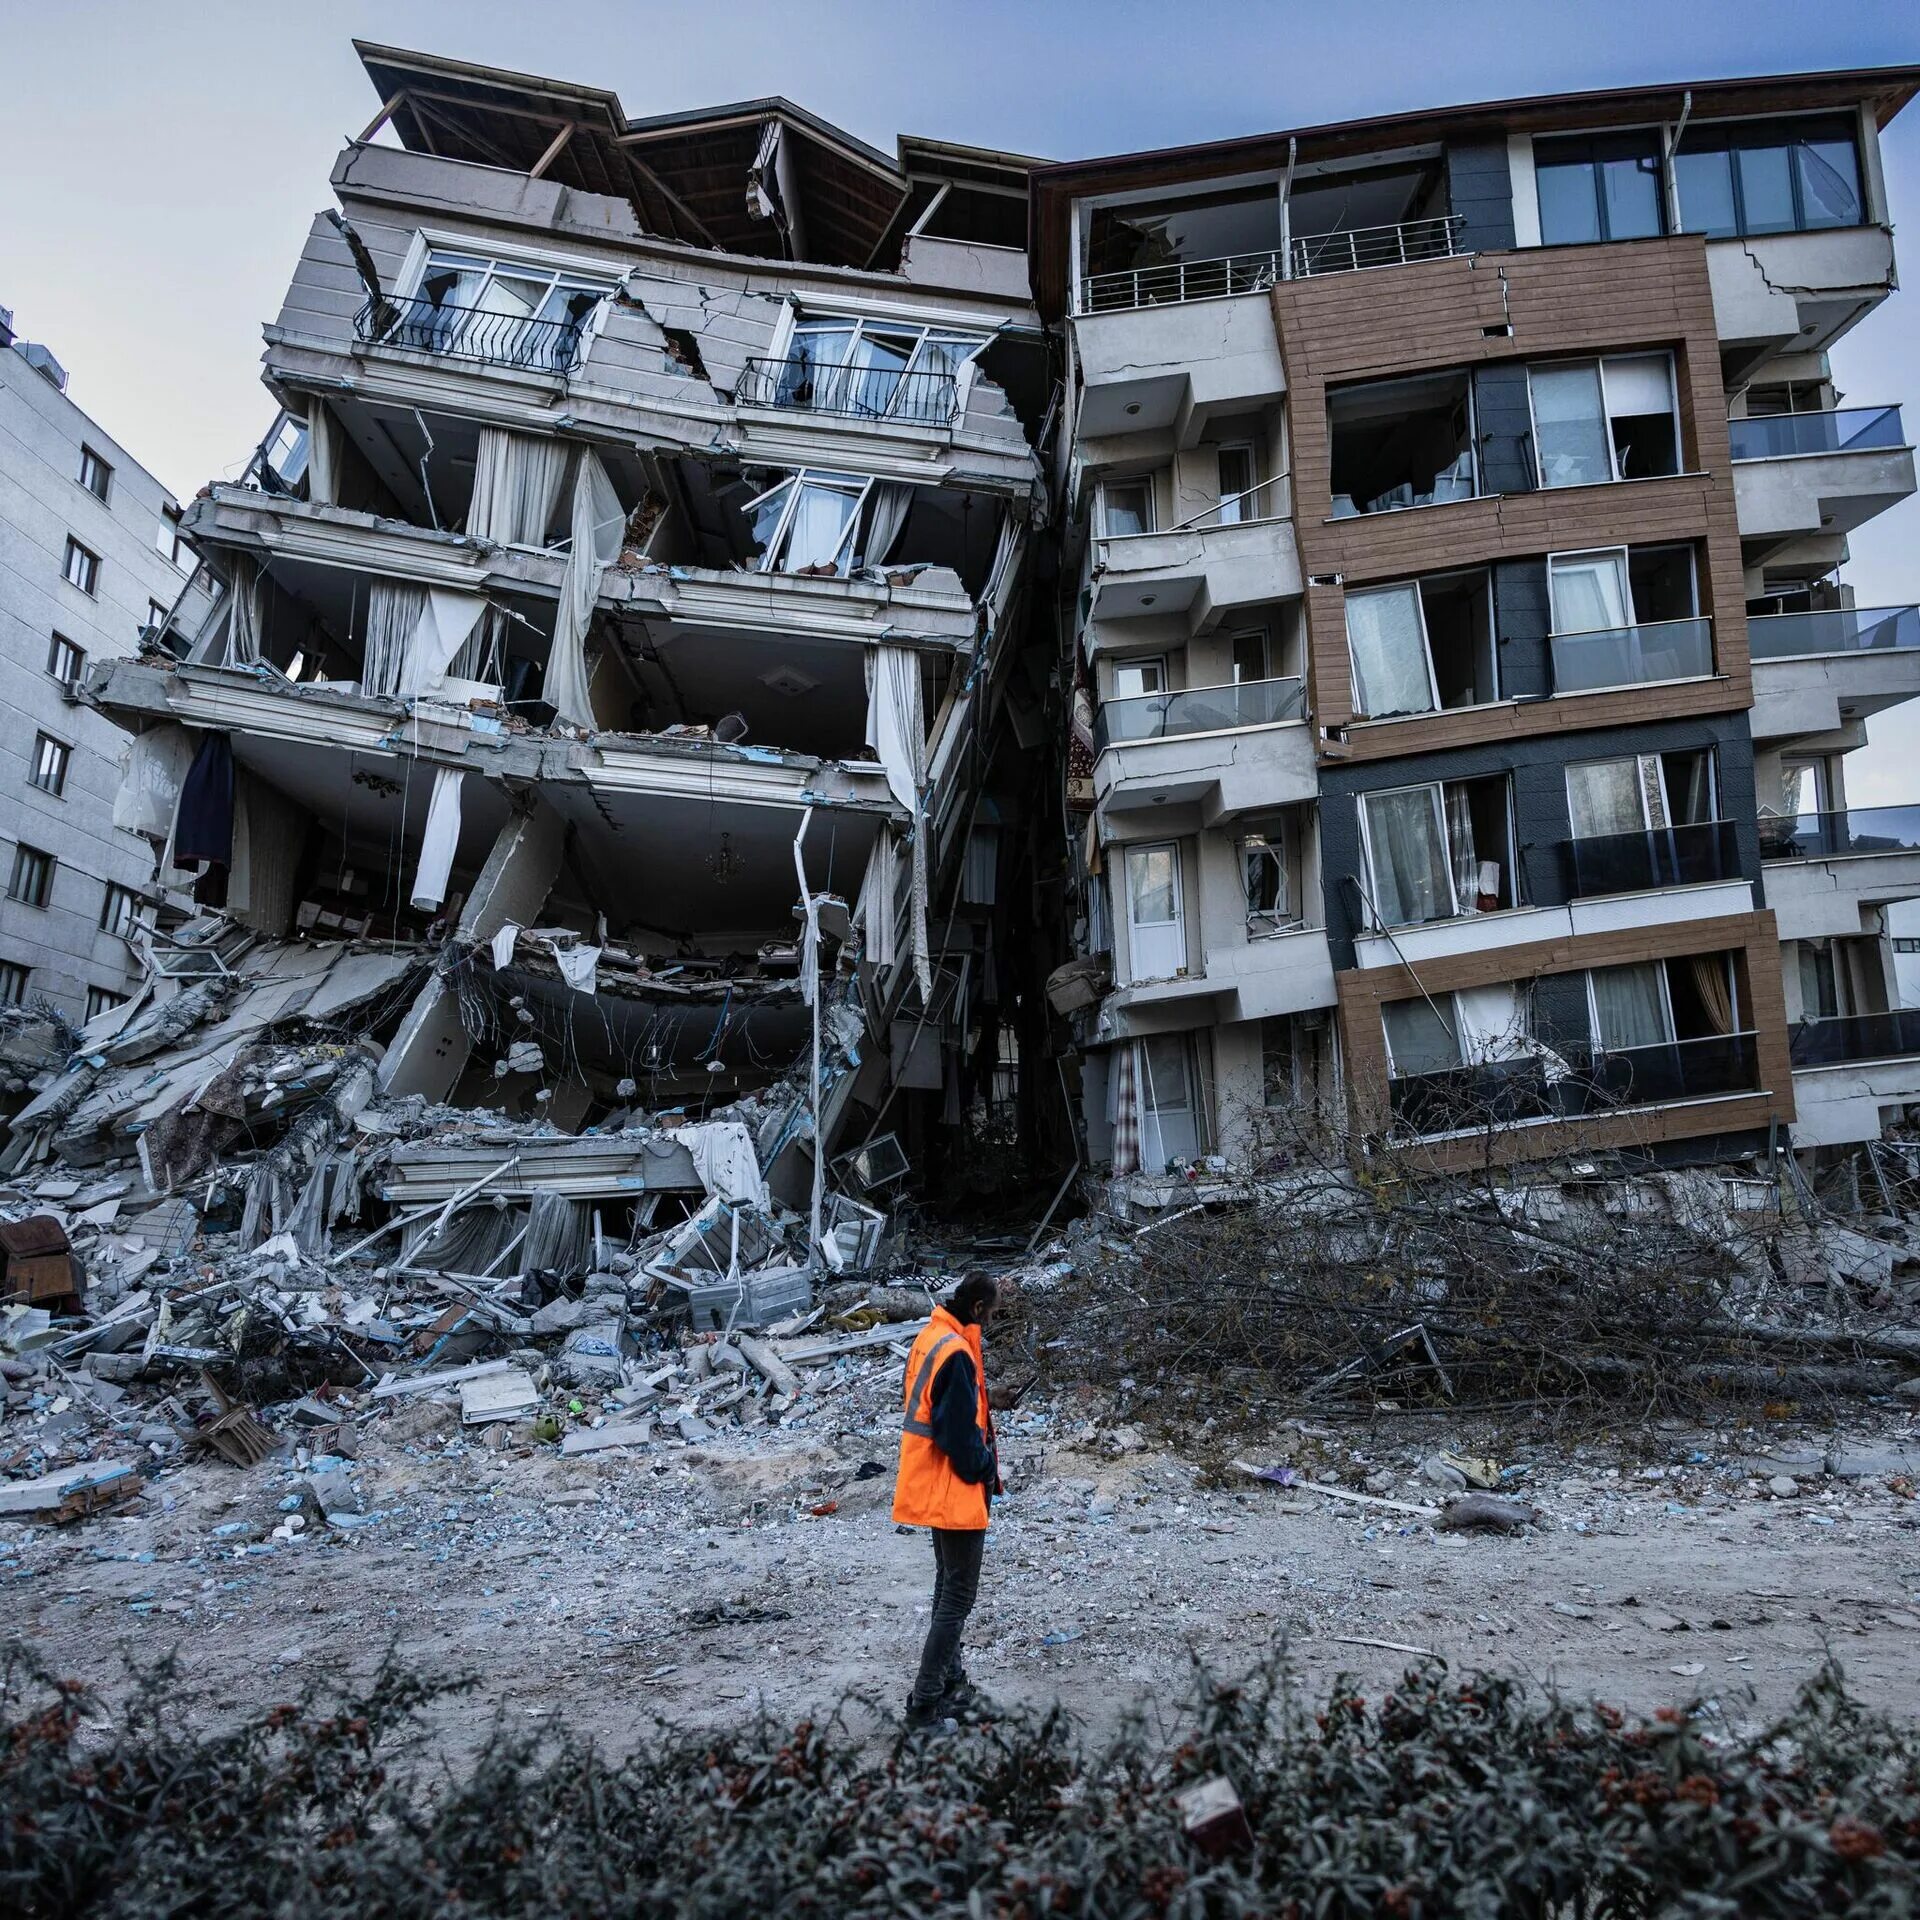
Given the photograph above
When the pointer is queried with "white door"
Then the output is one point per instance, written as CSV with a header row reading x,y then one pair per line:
x,y
1169,1102
1134,677
1156,924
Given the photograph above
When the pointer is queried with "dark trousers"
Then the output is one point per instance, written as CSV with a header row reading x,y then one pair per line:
x,y
956,1579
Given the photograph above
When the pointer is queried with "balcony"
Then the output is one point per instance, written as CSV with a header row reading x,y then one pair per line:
x,y
1503,1093
1812,478
1160,716
1635,656
1815,673
1199,568
467,333
1826,873
1289,971
1230,748
1683,856
1360,248
1846,1070
1794,292
916,398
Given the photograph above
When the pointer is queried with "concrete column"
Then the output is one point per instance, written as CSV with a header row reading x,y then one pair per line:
x,y
429,1053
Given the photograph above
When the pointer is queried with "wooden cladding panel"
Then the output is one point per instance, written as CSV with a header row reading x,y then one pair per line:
x,y
1751,938
1454,313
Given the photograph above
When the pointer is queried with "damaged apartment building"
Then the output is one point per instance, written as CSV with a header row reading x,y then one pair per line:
x,y
608,709
1454,513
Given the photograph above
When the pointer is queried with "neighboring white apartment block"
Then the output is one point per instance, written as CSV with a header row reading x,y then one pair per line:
x,y
89,555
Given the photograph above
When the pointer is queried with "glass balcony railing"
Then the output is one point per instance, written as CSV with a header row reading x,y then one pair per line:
x,y
1777,436
1854,832
1465,1099
1803,636
1861,1036
1158,716
1683,856
1632,656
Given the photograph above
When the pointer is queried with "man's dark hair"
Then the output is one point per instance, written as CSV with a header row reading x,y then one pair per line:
x,y
974,1292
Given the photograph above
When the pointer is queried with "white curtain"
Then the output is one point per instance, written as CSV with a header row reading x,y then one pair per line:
x,y
446,622
1493,1024
816,533
1630,1006
516,484
1603,797
243,628
598,524
1388,642
1569,426
438,843
1590,592
394,610
269,835
323,455
151,770
887,505
1411,871
878,892
1460,850
897,732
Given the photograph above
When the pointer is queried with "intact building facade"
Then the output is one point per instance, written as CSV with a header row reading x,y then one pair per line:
x,y
1454,514
91,553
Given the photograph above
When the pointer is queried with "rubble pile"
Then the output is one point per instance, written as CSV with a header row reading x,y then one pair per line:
x,y
218,1235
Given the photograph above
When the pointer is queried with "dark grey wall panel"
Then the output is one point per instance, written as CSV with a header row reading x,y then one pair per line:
x,y
1503,427
1481,189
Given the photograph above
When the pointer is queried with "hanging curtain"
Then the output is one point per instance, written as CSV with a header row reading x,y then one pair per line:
x,y
1630,1007
1412,879
446,624
1493,1024
1460,852
243,629
1716,996
151,770
816,535
394,610
1604,797
887,505
1126,1108
1388,643
438,843
269,836
897,732
323,455
878,893
599,521
516,485
1589,593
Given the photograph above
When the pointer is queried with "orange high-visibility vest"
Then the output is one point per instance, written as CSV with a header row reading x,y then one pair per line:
x,y
927,1492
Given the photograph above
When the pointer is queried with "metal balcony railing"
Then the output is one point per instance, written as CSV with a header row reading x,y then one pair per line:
x,y
1681,856
1362,247
468,333
1466,1099
1776,436
1632,656
1307,255
1891,1035
1157,716
1854,832
851,392
1804,636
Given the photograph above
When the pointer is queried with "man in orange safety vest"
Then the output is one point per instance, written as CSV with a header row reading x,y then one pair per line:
x,y
949,1473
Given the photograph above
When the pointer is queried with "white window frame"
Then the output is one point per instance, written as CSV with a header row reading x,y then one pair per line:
x,y
1179,921
171,544
50,753
583,276
1443,1004
1152,515
773,554
1264,923
1140,664
1599,361
1426,643
976,336
1557,632
1510,853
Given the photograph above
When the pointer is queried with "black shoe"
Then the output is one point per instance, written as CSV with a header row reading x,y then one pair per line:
x,y
924,1715
964,1701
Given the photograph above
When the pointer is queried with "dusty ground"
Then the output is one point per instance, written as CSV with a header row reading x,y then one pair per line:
x,y
695,1584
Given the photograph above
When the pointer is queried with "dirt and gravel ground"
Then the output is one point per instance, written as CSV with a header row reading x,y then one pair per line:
x,y
698,1583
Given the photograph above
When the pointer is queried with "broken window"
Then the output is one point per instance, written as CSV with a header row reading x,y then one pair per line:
x,y
806,523
868,369
1439,850
1270,867
1601,420
1349,217
1625,616
1422,645
1149,251
1770,176
1172,1111
505,312
1402,443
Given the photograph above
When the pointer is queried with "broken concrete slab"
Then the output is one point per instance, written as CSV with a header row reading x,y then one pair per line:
x,y
506,1395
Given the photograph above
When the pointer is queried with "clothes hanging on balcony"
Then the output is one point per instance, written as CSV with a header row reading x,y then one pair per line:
x,y
438,843
203,820
516,485
599,521
897,732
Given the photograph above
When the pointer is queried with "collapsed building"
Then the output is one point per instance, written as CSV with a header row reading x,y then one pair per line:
x,y
607,706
